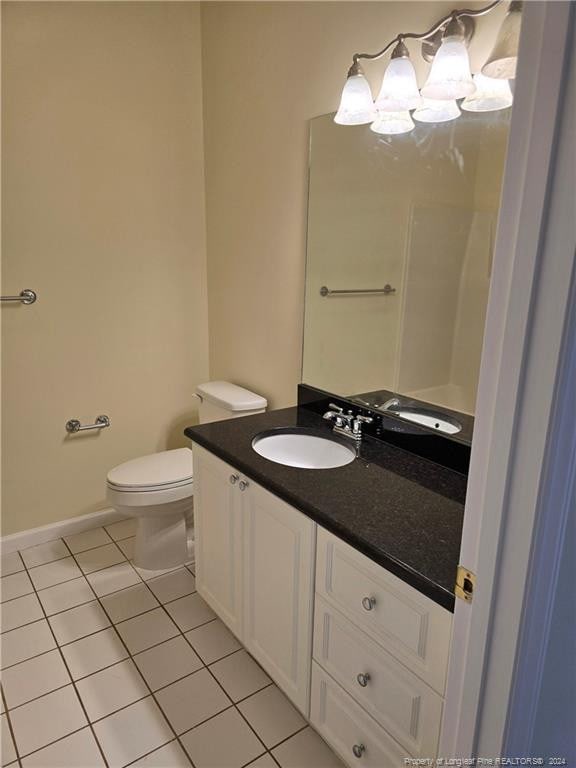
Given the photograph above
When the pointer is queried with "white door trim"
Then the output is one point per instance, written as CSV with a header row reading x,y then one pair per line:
x,y
557,501
501,393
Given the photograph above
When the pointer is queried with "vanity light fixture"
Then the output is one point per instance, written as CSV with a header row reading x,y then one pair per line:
x,y
356,105
450,76
392,123
449,79
437,111
399,90
490,94
502,61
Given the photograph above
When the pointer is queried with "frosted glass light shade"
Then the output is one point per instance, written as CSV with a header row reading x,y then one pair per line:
x,y
437,111
356,105
501,63
392,123
450,76
399,90
491,94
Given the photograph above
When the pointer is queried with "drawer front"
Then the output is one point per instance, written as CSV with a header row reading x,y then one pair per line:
x,y
346,727
415,629
402,703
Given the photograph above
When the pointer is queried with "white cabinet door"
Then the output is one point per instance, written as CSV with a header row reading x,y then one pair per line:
x,y
218,537
279,546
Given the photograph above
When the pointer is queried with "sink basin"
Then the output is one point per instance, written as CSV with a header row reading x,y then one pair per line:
x,y
429,418
303,448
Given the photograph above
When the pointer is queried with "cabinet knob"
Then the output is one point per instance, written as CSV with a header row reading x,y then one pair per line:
x,y
243,484
234,479
358,750
363,679
368,603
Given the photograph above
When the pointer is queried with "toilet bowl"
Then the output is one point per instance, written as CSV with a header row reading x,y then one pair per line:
x,y
157,490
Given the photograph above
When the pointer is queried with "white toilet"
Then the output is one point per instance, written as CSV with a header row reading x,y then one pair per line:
x,y
157,490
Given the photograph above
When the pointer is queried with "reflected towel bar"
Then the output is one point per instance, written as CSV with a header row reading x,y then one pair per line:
x,y
26,296
325,291
74,425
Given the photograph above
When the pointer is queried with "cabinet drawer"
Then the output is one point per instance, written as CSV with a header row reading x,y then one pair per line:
x,y
402,703
409,625
345,726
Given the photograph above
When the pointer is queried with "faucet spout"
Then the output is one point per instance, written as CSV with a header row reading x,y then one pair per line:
x,y
394,402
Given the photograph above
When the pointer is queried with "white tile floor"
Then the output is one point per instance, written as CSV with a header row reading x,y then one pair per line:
x,y
104,664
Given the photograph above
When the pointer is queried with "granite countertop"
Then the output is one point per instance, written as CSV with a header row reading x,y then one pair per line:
x,y
402,511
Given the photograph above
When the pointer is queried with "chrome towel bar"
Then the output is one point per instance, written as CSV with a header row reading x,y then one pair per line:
x,y
74,425
26,296
325,291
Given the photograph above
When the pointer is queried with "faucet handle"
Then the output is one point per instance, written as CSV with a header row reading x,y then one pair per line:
x,y
336,408
365,419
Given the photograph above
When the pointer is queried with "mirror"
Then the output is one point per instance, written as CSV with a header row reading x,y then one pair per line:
x,y
408,222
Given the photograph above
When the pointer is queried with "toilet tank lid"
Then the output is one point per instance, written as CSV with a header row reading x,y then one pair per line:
x,y
230,396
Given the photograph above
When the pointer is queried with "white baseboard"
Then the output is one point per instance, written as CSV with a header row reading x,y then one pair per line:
x,y
57,530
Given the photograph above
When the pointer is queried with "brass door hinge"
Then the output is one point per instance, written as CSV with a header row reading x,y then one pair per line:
x,y
465,584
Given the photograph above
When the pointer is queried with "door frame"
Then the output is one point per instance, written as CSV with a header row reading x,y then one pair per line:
x,y
510,435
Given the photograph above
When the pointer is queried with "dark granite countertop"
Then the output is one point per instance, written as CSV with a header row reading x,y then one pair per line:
x,y
402,511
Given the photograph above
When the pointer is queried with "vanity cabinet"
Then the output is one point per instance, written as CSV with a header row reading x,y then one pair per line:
x,y
255,558
362,654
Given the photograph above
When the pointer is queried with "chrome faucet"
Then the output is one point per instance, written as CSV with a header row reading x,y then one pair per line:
x,y
347,424
394,402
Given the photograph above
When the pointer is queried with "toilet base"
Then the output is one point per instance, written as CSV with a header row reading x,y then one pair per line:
x,y
161,536
161,542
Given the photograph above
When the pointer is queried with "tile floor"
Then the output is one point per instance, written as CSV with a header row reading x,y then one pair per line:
x,y
105,664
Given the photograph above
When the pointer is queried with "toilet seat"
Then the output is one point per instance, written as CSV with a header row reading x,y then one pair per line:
x,y
155,472
156,479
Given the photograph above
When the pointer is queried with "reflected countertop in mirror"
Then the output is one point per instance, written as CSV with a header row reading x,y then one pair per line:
x,y
400,239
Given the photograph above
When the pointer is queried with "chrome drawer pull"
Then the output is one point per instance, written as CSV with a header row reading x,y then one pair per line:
x,y
358,750
363,679
368,603
243,484
234,479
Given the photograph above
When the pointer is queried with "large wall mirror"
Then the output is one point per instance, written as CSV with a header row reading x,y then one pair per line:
x,y
400,241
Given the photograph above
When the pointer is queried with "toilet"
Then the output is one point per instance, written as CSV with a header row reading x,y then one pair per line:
x,y
157,490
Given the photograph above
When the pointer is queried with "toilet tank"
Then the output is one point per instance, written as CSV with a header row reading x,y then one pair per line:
x,y
222,400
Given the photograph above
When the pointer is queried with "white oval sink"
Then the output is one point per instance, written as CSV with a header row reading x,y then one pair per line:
x,y
302,449
429,419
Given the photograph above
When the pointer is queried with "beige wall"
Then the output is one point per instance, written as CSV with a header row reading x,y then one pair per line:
x,y
104,217
268,69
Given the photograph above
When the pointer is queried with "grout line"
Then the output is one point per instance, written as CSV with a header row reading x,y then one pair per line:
x,y
21,626
73,681
10,728
283,741
11,599
247,765
142,757
22,661
35,698
87,548
51,743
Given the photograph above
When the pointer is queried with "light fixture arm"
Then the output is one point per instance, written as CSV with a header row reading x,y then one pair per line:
x,y
424,35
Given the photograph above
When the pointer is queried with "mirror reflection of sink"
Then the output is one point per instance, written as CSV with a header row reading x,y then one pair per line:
x,y
428,418
303,448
